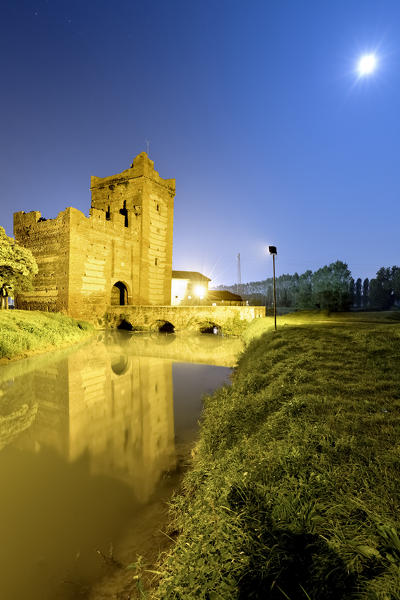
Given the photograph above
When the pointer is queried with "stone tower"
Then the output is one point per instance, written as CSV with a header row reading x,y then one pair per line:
x,y
145,202
121,254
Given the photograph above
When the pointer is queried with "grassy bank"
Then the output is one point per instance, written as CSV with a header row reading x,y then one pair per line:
x,y
25,332
294,491
305,318
241,328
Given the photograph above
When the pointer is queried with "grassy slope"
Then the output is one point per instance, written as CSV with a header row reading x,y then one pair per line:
x,y
23,332
303,318
294,491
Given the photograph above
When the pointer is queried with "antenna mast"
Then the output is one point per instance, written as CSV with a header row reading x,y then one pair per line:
x,y
239,274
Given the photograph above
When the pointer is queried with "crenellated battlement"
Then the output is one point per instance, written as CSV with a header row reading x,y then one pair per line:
x,y
142,166
33,220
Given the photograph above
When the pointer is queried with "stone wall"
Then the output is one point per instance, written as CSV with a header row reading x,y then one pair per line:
x,y
49,242
101,254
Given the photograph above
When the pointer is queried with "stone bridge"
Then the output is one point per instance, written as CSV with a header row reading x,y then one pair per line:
x,y
189,318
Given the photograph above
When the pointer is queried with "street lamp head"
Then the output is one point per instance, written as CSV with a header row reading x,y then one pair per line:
x,y
272,250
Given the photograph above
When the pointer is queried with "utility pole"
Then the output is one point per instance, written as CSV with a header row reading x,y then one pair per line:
x,y
239,274
272,250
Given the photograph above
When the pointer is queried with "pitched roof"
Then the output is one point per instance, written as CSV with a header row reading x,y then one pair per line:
x,y
219,295
193,275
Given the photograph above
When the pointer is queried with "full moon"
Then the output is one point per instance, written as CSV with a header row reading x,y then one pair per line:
x,y
367,64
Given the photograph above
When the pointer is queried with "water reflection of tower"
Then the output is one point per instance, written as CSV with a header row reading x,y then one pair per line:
x,y
115,409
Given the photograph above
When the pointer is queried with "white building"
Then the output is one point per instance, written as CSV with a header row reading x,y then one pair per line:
x,y
188,287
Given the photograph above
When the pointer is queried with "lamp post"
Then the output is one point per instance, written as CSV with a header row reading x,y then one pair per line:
x,y
272,250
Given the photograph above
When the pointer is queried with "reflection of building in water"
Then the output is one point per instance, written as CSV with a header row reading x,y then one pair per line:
x,y
207,349
115,409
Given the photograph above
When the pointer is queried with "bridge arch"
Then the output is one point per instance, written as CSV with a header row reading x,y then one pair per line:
x,y
162,326
209,327
125,325
119,294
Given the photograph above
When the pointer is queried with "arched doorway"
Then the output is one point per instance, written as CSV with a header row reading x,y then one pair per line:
x,y
119,294
120,364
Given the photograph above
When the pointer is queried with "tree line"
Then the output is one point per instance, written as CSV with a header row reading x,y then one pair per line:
x,y
331,287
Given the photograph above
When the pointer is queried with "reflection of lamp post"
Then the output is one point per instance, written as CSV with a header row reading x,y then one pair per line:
x,y
272,250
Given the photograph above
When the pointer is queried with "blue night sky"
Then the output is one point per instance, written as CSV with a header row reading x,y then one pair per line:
x,y
254,107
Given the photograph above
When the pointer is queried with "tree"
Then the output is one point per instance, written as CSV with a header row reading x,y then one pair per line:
x,y
380,290
352,291
377,296
357,297
396,283
331,286
304,291
384,290
269,294
17,267
365,293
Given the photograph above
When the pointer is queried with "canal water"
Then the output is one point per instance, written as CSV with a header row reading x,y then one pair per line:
x,y
92,440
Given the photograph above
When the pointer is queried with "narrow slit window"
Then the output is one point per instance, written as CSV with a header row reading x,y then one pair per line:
x,y
156,261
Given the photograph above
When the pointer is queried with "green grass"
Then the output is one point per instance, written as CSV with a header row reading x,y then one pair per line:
x,y
294,489
235,326
321,317
23,332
